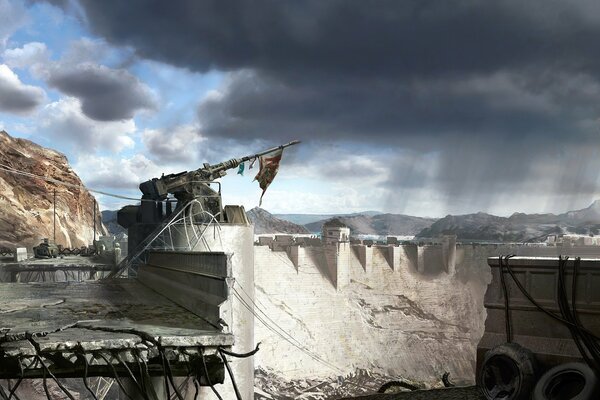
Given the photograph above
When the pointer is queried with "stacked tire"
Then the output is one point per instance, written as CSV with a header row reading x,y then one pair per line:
x,y
510,372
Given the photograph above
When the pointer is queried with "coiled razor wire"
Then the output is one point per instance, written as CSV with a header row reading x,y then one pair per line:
x,y
162,237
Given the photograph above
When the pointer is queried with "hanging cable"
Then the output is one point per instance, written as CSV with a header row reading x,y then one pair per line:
x,y
115,374
60,385
539,307
238,396
85,374
135,381
507,321
201,351
283,336
14,171
12,391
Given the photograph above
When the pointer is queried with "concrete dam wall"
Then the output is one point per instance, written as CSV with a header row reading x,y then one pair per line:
x,y
402,311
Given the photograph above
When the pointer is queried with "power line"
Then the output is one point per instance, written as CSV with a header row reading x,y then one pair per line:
x,y
15,171
297,344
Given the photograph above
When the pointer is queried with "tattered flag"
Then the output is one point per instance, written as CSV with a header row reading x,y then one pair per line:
x,y
241,169
252,163
269,165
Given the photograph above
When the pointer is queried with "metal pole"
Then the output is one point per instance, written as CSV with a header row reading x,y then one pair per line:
x,y
54,216
94,221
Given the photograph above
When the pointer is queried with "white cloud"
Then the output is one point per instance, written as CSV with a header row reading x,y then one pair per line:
x,y
177,145
31,55
12,17
63,120
115,173
15,96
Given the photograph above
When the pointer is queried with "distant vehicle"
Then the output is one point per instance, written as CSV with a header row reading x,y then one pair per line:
x,y
46,249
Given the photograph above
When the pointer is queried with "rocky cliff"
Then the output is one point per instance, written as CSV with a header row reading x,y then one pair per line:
x,y
26,204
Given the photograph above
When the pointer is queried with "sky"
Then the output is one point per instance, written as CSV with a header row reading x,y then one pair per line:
x,y
417,107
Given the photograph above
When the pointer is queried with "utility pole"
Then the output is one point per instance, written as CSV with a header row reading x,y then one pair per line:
x,y
54,216
94,221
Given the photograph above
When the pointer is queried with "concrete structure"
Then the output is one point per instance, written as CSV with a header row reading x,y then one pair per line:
x,y
21,254
237,241
550,341
124,322
334,231
573,240
403,311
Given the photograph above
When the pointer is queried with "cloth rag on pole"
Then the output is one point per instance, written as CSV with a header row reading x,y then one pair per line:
x,y
241,169
268,167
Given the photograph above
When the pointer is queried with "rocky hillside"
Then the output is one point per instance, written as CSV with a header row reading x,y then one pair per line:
x,y
109,219
26,204
382,224
305,219
518,227
265,222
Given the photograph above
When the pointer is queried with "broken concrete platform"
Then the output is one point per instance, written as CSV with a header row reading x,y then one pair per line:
x,y
116,321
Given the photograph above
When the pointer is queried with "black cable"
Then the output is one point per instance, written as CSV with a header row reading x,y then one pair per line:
x,y
594,343
191,372
45,384
230,372
162,359
135,381
60,385
170,376
201,351
137,355
14,389
196,388
563,306
589,344
239,355
115,374
507,321
3,393
539,307
85,376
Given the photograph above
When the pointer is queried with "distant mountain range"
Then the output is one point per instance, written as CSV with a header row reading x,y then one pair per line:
x,y
382,224
480,226
304,219
517,227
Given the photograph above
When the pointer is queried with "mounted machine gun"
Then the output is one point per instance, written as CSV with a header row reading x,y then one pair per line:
x,y
159,195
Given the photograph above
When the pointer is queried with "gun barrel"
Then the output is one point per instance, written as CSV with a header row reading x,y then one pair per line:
x,y
262,153
237,161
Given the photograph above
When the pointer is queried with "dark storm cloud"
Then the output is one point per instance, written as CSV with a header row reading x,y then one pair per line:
x,y
491,90
16,97
106,94
382,68
388,37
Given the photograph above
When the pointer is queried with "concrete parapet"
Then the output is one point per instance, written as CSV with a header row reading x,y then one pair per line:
x,y
337,257
408,256
265,240
21,254
294,254
392,256
449,253
365,256
284,239
431,259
